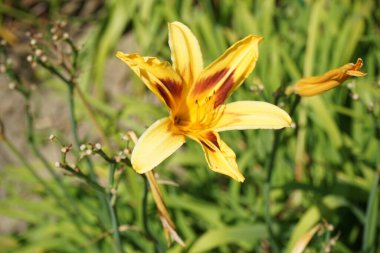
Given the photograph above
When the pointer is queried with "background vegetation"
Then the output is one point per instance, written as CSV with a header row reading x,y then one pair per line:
x,y
325,171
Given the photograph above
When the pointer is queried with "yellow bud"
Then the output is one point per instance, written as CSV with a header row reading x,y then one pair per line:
x,y
315,85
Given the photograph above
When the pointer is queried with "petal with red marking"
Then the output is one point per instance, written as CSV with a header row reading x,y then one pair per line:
x,y
158,76
227,73
219,156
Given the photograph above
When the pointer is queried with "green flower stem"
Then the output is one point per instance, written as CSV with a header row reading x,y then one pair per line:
x,y
72,214
112,209
104,199
111,199
92,116
87,179
40,156
73,86
106,158
41,181
91,178
28,166
267,190
268,184
73,120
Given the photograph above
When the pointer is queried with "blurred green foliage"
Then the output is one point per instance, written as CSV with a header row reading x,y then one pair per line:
x,y
326,168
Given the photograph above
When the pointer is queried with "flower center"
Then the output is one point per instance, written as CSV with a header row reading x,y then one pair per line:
x,y
197,116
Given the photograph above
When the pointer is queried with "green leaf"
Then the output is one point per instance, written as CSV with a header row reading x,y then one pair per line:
x,y
248,234
371,217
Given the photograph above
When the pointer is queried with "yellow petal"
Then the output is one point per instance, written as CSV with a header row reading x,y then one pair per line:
x,y
226,74
156,144
158,76
185,52
252,115
219,156
315,85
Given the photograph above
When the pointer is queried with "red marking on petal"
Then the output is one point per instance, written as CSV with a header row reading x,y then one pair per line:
x,y
209,82
207,146
223,92
165,95
212,138
174,88
210,141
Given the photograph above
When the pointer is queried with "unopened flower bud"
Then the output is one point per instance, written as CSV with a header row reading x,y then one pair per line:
x,y
2,68
355,96
51,137
66,36
82,147
9,62
12,85
29,58
351,85
315,85
43,58
127,151
38,52
33,42
98,146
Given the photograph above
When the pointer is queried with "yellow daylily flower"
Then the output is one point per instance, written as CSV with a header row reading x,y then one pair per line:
x,y
315,85
195,98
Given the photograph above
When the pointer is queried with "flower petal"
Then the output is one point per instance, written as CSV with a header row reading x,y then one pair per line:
x,y
156,144
315,85
226,73
158,76
185,52
219,156
252,115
